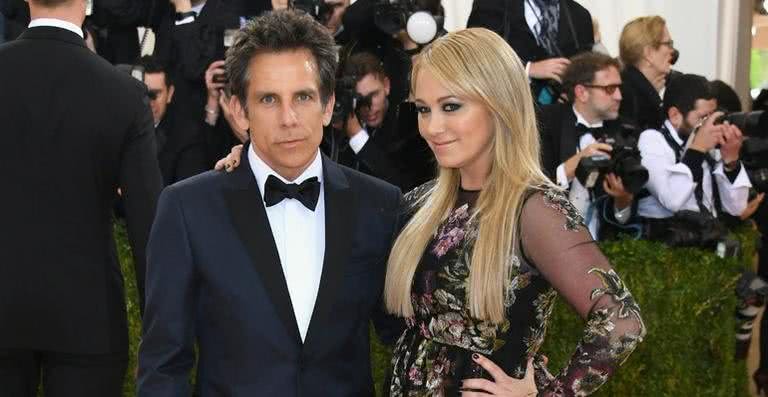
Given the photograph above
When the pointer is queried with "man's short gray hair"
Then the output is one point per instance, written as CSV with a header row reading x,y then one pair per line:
x,y
279,31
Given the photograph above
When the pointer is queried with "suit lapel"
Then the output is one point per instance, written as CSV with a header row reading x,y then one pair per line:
x,y
250,220
568,139
339,217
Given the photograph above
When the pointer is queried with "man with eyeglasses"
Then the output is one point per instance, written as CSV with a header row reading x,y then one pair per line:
x,y
692,161
570,133
181,150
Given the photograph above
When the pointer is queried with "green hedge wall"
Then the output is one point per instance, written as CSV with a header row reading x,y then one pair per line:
x,y
687,300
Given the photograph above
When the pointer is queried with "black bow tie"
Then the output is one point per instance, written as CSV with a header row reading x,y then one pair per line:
x,y
596,132
307,192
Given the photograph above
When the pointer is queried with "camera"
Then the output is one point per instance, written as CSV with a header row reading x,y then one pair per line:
x,y
348,101
751,124
421,19
625,162
754,157
318,9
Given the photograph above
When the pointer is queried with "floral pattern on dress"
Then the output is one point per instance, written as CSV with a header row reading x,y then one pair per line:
x,y
433,354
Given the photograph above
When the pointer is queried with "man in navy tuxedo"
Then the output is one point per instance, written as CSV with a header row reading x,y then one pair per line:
x,y
274,270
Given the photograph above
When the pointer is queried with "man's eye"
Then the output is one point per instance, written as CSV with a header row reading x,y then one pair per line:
x,y
451,107
304,97
268,99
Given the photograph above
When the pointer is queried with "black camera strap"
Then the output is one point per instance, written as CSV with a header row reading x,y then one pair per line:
x,y
699,190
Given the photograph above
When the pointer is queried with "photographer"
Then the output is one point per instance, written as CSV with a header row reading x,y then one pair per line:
x,y
688,174
570,133
383,138
180,152
390,40
533,29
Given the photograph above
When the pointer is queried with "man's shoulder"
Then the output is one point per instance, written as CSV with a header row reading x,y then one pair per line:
x,y
199,185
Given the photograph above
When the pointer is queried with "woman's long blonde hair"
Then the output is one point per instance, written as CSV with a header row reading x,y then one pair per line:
x,y
478,65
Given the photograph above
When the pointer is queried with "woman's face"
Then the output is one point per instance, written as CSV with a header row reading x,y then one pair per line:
x,y
660,58
458,130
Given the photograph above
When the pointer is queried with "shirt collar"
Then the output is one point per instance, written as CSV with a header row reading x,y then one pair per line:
x,y
57,23
262,171
581,120
673,132
198,8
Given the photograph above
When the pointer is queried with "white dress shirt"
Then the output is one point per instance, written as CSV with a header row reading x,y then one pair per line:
x,y
671,183
197,9
577,193
299,235
57,23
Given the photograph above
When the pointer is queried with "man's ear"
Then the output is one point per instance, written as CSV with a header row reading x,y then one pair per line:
x,y
328,110
171,90
386,85
580,93
239,113
675,116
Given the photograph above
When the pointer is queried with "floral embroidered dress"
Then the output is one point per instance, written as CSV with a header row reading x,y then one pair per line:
x,y
556,256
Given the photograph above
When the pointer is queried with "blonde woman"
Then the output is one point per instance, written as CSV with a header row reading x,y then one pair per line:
x,y
491,242
647,51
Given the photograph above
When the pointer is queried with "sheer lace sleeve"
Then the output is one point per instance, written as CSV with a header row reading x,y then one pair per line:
x,y
556,242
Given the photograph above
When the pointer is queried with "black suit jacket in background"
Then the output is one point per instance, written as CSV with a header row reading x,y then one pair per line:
x,y
181,150
73,131
641,104
490,14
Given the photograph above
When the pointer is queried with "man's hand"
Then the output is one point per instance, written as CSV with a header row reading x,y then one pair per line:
x,y
613,185
549,69
182,5
752,207
730,146
279,4
595,149
352,126
338,8
213,82
709,135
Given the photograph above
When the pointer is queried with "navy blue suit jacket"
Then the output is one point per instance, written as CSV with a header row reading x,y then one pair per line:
x,y
214,279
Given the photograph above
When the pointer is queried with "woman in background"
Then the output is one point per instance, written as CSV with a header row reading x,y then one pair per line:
x,y
647,51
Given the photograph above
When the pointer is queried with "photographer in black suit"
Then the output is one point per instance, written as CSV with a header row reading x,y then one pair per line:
x,y
543,33
383,137
88,130
180,150
572,132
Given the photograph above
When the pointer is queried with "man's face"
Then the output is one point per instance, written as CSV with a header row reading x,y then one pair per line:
x,y
701,109
378,88
604,95
283,110
163,95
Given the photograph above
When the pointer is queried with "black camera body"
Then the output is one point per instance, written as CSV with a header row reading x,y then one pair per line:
x,y
754,150
348,101
625,162
391,16
752,124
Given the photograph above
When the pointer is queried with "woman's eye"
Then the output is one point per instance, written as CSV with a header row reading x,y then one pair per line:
x,y
451,107
422,109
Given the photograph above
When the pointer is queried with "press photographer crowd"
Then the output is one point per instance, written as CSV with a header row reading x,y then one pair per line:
x,y
638,149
